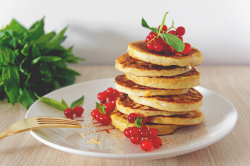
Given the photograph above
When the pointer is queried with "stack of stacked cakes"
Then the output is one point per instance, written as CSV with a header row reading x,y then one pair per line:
x,y
158,86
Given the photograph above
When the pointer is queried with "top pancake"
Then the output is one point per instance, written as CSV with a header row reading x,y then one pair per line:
x,y
130,65
139,50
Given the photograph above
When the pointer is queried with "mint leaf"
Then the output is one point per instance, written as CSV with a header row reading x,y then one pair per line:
x,y
145,25
35,31
45,59
173,41
101,108
52,102
26,97
39,59
77,102
15,26
64,103
138,122
10,78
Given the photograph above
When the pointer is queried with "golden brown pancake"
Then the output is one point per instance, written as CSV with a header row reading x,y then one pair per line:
x,y
129,87
130,65
139,50
185,102
119,121
191,118
181,81
127,106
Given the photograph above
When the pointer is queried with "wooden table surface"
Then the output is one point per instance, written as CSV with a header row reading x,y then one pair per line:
x,y
233,82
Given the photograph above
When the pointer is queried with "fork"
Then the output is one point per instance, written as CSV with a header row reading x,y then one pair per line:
x,y
37,123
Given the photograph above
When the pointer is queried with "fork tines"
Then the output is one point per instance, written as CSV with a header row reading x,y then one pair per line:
x,y
48,120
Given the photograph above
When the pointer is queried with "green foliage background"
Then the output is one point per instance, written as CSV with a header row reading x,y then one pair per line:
x,y
33,62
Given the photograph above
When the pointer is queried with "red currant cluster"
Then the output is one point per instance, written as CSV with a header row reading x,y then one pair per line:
x,y
156,43
101,115
141,134
108,104
70,113
108,97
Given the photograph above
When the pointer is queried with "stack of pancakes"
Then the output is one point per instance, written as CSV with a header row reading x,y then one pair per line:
x,y
158,86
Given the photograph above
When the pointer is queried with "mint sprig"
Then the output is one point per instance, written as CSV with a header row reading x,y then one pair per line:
x,y
138,122
101,108
32,61
61,105
170,39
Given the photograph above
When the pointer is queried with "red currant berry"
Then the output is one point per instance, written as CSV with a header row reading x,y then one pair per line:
x,y
94,113
69,113
109,107
180,38
187,48
110,91
143,128
150,46
126,133
116,93
98,116
134,131
101,97
143,120
152,133
78,111
164,28
180,31
152,35
144,134
146,145
147,39
132,117
136,139
105,119
156,142
172,32
158,47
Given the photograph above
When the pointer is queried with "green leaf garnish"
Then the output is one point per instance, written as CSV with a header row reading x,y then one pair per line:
x,y
138,122
77,102
170,39
64,103
32,61
101,108
173,41
54,103
145,25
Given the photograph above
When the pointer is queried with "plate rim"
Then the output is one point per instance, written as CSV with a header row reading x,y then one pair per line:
x,y
148,155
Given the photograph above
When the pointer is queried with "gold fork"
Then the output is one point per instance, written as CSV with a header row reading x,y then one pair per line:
x,y
37,123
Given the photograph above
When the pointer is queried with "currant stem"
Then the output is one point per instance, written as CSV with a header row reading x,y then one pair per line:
x,y
172,26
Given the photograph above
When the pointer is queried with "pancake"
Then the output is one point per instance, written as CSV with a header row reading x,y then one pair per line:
x,y
139,50
127,106
185,102
120,122
185,80
191,118
130,65
129,87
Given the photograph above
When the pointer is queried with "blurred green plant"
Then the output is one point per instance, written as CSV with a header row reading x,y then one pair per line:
x,y
32,61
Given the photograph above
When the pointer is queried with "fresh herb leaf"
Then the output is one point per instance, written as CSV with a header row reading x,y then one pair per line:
x,y
52,102
101,108
26,97
145,25
173,41
138,122
64,103
77,102
32,61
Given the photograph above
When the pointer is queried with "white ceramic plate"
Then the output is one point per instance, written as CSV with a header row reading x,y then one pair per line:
x,y
220,118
